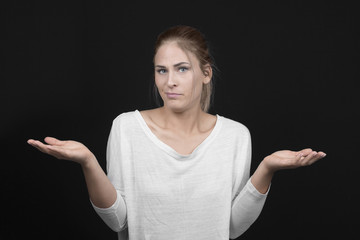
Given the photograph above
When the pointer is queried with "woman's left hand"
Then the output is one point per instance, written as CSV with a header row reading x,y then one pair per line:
x,y
285,159
289,159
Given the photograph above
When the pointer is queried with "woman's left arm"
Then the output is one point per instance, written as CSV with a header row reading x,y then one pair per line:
x,y
285,159
248,204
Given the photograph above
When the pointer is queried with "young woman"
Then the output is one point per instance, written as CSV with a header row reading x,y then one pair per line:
x,y
177,172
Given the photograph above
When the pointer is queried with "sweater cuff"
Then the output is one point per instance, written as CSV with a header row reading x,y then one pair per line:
x,y
252,189
110,209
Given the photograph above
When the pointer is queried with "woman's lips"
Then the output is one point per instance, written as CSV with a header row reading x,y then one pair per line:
x,y
172,95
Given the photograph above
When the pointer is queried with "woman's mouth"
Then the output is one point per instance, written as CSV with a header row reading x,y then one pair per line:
x,y
172,95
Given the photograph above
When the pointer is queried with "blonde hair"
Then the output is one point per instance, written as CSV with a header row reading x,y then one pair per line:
x,y
192,40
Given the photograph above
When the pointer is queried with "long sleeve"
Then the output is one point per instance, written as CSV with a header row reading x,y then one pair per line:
x,y
245,209
247,202
116,215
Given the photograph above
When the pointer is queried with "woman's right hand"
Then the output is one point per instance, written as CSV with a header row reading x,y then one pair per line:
x,y
68,150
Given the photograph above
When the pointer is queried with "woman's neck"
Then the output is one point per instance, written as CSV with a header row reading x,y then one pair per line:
x,y
188,122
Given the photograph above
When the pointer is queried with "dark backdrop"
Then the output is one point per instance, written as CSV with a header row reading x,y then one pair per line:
x,y
287,71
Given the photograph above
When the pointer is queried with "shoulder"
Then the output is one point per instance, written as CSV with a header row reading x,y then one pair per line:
x,y
233,127
125,118
127,124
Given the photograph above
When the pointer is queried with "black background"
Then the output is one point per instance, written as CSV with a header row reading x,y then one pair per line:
x,y
287,71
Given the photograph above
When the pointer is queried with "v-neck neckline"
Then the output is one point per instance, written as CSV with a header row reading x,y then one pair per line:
x,y
171,151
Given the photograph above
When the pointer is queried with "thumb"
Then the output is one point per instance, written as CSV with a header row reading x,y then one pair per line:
x,y
53,141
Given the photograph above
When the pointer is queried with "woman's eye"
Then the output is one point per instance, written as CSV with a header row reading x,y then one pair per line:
x,y
183,69
161,71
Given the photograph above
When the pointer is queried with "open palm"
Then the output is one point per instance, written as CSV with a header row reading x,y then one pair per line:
x,y
68,150
286,159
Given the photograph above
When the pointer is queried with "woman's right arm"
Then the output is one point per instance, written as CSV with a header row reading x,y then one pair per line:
x,y
106,200
101,191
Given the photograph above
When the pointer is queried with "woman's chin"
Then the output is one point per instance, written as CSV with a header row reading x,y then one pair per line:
x,y
178,108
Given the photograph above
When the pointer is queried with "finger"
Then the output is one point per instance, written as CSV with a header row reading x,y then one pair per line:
x,y
298,158
322,154
33,142
53,141
299,155
307,159
312,157
306,151
317,157
48,149
38,145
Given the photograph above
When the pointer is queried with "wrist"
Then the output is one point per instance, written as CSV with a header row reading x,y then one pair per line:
x,y
262,177
267,167
89,162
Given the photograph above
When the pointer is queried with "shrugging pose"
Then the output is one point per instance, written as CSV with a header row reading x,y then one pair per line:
x,y
176,171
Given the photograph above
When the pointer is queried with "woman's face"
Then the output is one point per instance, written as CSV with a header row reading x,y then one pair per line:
x,y
178,77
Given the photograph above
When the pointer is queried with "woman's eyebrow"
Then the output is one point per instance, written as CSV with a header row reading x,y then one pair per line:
x,y
180,63
159,66
175,65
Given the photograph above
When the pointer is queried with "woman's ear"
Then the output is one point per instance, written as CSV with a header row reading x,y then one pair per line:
x,y
207,73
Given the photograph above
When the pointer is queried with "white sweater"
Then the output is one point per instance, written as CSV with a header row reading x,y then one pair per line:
x,y
165,195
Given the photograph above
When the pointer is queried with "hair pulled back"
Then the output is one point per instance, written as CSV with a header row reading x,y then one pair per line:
x,y
192,40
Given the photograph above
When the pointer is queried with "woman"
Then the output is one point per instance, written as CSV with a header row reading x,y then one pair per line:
x,y
177,172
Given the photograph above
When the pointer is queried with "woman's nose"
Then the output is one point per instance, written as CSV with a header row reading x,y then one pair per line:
x,y
171,81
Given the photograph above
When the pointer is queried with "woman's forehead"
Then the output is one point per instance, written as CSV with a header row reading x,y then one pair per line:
x,y
171,53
